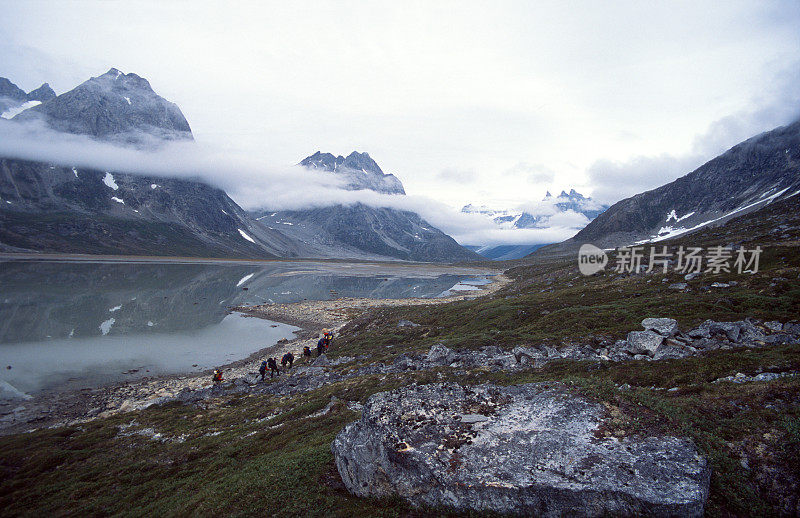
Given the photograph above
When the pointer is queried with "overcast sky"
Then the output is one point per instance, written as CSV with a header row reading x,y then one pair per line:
x,y
489,103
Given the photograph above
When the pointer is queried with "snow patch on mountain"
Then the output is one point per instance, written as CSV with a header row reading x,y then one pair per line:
x,y
15,110
674,215
244,235
668,232
108,179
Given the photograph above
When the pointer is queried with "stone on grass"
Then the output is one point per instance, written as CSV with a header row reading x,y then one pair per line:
x,y
671,352
532,449
407,323
643,342
662,326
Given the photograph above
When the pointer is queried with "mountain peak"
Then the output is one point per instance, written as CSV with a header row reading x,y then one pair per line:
x,y
115,106
10,90
358,169
44,93
363,162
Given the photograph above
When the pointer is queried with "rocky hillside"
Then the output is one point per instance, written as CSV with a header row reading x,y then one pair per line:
x,y
356,230
747,177
49,208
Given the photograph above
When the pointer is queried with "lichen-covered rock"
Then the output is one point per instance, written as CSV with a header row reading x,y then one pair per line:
x,y
662,326
531,449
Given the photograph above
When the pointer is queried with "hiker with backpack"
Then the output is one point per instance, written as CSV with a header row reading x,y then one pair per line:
x,y
307,353
273,367
262,369
288,359
217,377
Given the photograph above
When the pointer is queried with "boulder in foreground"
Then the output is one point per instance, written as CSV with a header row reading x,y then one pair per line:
x,y
528,449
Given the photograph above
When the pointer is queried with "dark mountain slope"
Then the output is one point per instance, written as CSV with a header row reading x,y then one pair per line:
x,y
57,209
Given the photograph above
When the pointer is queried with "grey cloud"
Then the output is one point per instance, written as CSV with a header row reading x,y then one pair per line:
x,y
613,181
779,105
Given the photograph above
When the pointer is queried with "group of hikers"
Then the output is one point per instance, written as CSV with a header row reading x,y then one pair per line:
x,y
287,361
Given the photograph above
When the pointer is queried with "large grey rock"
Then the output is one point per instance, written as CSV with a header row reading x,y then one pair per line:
x,y
662,326
440,355
643,342
536,450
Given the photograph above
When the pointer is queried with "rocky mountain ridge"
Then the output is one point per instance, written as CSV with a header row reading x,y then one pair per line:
x,y
358,170
14,100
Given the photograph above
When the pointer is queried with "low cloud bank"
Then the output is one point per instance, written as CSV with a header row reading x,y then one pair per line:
x,y
251,180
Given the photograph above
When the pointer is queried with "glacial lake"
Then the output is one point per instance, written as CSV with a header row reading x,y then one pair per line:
x,y
80,324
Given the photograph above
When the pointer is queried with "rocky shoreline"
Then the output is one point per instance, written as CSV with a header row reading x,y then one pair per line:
x,y
60,408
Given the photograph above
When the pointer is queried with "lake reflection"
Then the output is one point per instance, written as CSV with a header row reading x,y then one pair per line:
x,y
86,323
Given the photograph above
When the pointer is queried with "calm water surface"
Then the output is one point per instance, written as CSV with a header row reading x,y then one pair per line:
x,y
81,324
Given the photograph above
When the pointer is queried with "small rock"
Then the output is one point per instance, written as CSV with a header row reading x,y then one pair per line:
x,y
670,352
690,276
440,355
407,323
774,325
473,418
678,286
320,361
720,285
